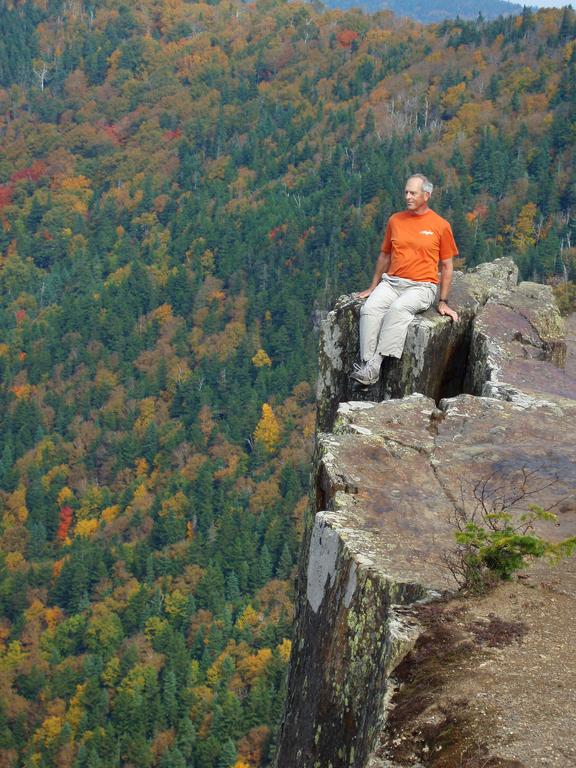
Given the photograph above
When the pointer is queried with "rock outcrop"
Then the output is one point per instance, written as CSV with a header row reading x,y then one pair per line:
x,y
470,408
514,340
435,359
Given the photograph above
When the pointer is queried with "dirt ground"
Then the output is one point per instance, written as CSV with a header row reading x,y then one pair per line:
x,y
492,684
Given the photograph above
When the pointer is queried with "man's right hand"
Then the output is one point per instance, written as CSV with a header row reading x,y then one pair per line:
x,y
364,294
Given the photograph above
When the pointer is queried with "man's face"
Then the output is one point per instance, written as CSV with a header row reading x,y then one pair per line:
x,y
416,198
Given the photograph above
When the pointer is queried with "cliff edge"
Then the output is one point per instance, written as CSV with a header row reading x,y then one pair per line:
x,y
488,403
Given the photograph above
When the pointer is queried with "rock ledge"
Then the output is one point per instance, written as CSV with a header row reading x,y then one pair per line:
x,y
391,471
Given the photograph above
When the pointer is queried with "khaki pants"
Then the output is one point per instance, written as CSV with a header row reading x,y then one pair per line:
x,y
387,313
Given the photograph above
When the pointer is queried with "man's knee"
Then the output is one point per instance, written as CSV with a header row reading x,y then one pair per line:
x,y
378,306
398,312
371,310
365,311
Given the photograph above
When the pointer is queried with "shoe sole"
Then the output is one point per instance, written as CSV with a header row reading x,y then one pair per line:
x,y
365,382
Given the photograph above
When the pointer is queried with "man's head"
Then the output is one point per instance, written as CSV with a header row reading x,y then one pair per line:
x,y
417,193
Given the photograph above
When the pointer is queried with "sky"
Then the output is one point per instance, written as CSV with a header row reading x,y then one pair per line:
x,y
549,3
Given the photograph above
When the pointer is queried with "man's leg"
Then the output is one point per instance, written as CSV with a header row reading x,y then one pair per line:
x,y
412,299
371,314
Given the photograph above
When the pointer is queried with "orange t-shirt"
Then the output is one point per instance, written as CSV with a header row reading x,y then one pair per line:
x,y
416,243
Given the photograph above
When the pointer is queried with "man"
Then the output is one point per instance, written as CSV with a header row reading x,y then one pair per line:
x,y
405,280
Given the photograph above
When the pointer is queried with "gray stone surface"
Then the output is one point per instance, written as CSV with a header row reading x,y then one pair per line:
x,y
389,481
518,348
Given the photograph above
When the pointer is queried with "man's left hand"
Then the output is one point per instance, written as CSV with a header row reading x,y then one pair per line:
x,y
444,309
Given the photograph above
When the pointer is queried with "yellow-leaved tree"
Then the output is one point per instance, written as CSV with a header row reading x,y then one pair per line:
x,y
525,230
267,432
261,359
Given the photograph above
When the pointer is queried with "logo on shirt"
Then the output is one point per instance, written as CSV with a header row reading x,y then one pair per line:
x,y
426,232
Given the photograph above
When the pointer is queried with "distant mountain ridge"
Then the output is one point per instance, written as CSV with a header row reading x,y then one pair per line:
x,y
434,11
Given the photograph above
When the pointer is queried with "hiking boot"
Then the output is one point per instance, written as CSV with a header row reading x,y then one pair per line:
x,y
369,372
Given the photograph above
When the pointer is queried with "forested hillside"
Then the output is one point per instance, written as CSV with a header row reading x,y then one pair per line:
x,y
434,11
183,188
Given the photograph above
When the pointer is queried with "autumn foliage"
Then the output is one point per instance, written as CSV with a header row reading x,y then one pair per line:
x,y
65,518
267,432
185,189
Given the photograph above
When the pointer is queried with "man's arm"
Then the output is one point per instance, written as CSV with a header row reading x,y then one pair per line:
x,y
382,265
446,271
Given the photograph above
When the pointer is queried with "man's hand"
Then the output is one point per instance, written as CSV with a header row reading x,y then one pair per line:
x,y
382,265
444,309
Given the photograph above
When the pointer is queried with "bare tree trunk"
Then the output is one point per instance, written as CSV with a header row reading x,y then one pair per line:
x,y
41,73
